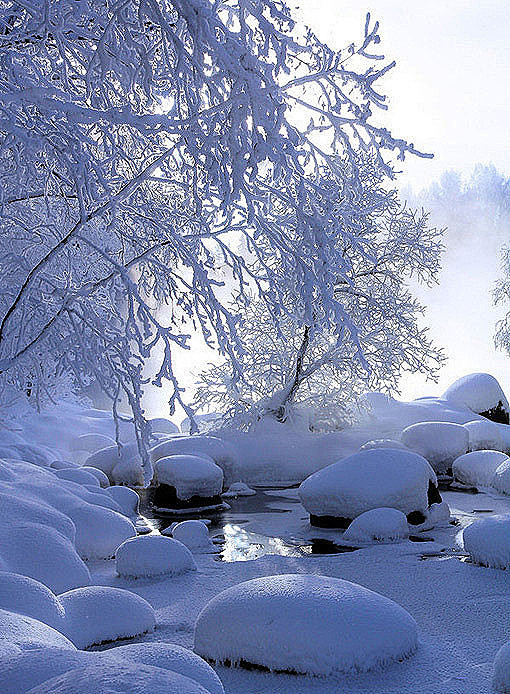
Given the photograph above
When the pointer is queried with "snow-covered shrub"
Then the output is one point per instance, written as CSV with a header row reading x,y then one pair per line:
x,y
305,624
478,468
439,442
189,475
19,632
484,435
30,597
366,480
378,525
501,676
487,541
153,555
480,393
128,472
96,614
238,489
195,535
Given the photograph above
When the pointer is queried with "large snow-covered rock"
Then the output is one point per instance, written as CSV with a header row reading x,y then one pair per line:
x,y
27,596
488,541
367,480
378,525
127,499
439,442
78,475
91,442
219,451
481,393
484,435
501,676
190,476
153,555
19,633
97,614
478,468
106,459
195,535
125,677
305,624
99,531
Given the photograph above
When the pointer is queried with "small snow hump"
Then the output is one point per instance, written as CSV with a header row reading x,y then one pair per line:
x,y
480,393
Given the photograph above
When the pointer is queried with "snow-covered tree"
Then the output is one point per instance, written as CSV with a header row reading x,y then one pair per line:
x,y
301,364
142,144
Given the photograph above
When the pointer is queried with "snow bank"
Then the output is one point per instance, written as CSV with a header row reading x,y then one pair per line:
x,y
125,677
305,624
439,442
27,669
238,489
479,392
484,435
91,442
190,475
488,541
27,596
159,425
97,614
219,451
478,468
367,480
78,475
19,633
501,678
501,479
378,525
153,555
100,476
383,443
194,534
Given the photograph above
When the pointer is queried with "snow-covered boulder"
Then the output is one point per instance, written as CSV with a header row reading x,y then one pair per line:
x,y
488,541
127,499
97,614
64,464
376,478
19,633
304,624
481,393
22,671
100,476
219,451
478,468
237,489
153,555
484,435
378,525
501,676
501,479
168,656
383,443
195,535
27,596
106,459
187,481
125,677
439,442
78,475
99,531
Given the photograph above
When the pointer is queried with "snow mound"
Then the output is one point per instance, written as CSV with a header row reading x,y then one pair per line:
x,y
168,656
153,555
127,499
220,452
478,468
367,480
29,597
78,475
488,541
19,633
439,442
238,489
195,535
97,614
64,464
106,459
27,669
159,425
91,442
479,392
501,479
100,476
501,677
378,525
382,443
484,435
190,475
99,531
125,677
304,624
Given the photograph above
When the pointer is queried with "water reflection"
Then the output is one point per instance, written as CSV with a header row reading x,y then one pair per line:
x,y
241,545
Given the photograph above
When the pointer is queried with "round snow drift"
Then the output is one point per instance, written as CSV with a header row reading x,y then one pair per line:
x,y
195,535
439,442
124,677
488,541
478,468
19,632
304,624
378,525
484,435
501,678
99,613
27,596
190,475
370,479
480,393
153,555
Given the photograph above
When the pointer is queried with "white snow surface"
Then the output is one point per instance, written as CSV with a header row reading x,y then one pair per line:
x,y
378,525
488,541
383,443
21,633
484,435
127,499
29,597
153,555
501,479
306,624
439,442
219,451
478,468
478,392
78,475
367,480
501,678
160,425
238,489
194,534
190,475
96,614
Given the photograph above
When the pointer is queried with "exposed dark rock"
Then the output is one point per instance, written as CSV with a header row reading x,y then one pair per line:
x,y
433,495
497,414
329,521
416,518
165,496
